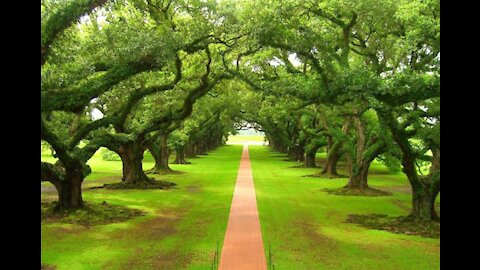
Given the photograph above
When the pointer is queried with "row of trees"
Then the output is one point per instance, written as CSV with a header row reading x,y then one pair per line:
x,y
359,78
143,65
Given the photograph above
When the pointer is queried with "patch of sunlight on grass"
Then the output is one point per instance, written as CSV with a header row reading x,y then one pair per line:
x,y
242,139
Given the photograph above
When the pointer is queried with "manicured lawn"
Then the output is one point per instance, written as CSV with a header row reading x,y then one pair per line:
x,y
241,139
305,226
180,230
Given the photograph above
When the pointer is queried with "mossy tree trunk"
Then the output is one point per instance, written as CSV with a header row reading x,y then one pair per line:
x,y
190,150
296,153
160,152
335,151
67,181
425,189
310,155
333,156
358,178
70,190
357,165
180,156
132,155
200,148
165,153
366,150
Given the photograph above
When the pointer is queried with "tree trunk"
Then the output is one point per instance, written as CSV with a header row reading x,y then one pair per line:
x,y
160,153
357,165
359,176
310,159
300,151
70,189
332,160
132,155
165,153
180,156
425,190
296,153
278,146
423,204
200,149
300,154
190,150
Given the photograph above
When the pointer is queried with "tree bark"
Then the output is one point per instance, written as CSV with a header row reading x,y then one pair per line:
x,y
296,153
68,182
359,176
200,149
190,150
310,159
70,191
358,165
180,156
160,153
333,157
425,191
132,155
334,152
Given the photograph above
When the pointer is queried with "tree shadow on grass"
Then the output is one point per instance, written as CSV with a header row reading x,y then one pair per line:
x,y
326,176
88,215
401,225
368,192
155,184
45,266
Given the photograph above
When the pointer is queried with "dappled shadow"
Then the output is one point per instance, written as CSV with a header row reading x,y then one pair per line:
x,y
400,225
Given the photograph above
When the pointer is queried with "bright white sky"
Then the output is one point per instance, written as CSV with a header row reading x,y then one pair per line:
x,y
294,60
96,114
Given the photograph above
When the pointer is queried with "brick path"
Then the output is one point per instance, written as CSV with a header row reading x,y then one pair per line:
x,y
243,245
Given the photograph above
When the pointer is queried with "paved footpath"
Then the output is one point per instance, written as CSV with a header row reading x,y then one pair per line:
x,y
243,244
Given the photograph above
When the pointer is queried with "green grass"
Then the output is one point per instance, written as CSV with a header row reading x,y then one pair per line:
x,y
241,139
180,230
306,227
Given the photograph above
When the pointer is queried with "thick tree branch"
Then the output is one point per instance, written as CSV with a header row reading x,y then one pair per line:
x,y
63,19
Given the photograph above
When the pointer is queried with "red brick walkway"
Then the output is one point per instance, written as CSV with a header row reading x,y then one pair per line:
x,y
243,244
